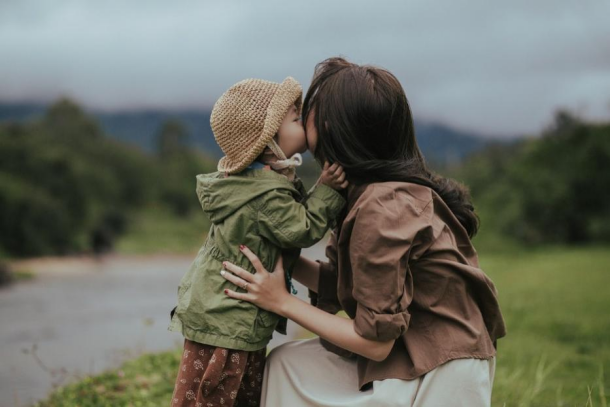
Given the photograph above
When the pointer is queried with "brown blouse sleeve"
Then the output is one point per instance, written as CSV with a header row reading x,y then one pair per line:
x,y
385,230
326,297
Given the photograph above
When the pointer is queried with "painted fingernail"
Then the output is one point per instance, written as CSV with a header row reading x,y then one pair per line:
x,y
225,264
222,272
225,291
241,247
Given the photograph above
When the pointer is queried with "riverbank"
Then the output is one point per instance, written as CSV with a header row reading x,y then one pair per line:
x,y
82,316
556,306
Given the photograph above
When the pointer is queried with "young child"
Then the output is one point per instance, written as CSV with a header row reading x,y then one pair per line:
x,y
255,199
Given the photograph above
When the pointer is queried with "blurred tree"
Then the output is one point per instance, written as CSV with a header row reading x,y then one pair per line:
x,y
553,188
65,187
179,165
172,139
66,119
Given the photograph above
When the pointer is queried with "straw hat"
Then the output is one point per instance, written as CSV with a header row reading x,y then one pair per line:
x,y
246,118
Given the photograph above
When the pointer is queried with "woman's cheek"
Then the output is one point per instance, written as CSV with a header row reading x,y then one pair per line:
x,y
311,143
311,134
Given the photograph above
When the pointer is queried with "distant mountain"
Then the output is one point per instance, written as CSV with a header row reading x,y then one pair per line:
x,y
444,145
439,143
138,127
20,111
141,127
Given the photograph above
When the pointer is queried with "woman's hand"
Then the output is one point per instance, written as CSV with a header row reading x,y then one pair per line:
x,y
264,289
268,291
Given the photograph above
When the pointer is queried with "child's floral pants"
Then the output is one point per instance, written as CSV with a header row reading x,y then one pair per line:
x,y
210,376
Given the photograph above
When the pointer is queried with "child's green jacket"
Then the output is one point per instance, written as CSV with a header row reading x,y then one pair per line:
x,y
269,214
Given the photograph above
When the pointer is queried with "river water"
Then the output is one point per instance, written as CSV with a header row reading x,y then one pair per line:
x,y
82,316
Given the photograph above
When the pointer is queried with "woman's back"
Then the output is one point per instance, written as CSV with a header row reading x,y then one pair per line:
x,y
403,267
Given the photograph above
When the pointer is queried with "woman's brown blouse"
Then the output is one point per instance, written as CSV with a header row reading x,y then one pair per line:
x,y
403,267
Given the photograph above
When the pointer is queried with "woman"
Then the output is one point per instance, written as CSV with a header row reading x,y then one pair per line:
x,y
424,318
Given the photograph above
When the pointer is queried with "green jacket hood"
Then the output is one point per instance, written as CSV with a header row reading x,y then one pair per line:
x,y
221,196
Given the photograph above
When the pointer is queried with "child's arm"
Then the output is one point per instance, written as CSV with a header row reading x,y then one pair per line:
x,y
333,176
289,224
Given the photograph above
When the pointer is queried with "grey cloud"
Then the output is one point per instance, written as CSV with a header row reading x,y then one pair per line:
x,y
499,68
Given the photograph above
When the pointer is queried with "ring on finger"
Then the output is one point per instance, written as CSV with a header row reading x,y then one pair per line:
x,y
245,286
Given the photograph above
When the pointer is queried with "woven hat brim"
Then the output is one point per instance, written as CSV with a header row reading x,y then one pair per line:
x,y
288,94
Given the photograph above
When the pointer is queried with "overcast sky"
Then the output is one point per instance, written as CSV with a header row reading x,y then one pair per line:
x,y
499,68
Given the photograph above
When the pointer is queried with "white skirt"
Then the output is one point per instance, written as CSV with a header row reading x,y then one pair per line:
x,y
303,373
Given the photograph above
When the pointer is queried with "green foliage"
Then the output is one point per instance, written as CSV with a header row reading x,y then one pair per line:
x,y
554,188
155,229
147,382
177,185
32,221
172,139
66,188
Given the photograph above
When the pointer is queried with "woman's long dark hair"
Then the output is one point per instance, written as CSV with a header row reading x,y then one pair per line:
x,y
364,123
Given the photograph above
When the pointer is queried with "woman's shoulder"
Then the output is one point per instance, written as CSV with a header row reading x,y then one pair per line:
x,y
393,196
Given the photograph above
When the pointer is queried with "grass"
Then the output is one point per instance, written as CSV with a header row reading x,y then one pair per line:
x,y
156,230
556,307
23,275
147,381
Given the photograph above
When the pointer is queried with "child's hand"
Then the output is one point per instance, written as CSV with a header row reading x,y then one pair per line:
x,y
333,176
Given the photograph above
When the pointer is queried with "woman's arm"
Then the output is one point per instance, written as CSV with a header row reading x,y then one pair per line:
x,y
337,330
306,272
267,291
